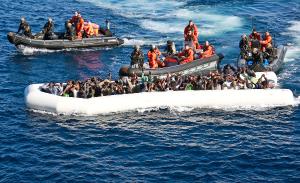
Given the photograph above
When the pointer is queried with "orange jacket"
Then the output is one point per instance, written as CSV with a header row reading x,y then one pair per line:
x,y
88,28
152,58
208,52
194,30
79,24
188,54
266,41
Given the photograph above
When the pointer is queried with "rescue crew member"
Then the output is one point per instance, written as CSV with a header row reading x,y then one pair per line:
x,y
208,50
78,23
48,30
191,38
137,57
244,46
153,58
24,28
191,27
88,29
254,35
170,48
187,55
267,42
69,34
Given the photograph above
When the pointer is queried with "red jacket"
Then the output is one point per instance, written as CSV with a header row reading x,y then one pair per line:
x,y
188,54
194,30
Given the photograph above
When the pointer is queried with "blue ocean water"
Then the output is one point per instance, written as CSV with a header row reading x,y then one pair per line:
x,y
172,145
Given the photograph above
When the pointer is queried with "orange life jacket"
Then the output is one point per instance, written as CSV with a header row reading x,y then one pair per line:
x,y
208,52
152,58
266,41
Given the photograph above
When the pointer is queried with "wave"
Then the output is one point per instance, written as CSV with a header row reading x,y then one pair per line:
x,y
293,52
171,16
25,50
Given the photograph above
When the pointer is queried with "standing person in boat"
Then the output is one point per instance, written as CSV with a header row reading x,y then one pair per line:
x,y
244,46
191,27
208,50
24,28
192,39
187,55
48,30
153,58
137,57
255,35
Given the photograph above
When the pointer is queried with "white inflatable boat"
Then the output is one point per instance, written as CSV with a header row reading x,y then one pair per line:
x,y
221,99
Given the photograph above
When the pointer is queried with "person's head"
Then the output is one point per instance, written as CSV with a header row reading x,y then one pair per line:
x,y
267,33
153,47
255,50
191,23
187,46
189,32
263,49
22,19
206,43
244,36
50,20
76,13
254,31
137,47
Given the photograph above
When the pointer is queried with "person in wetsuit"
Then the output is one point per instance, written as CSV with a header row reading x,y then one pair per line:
x,y
24,28
137,57
48,30
69,34
244,46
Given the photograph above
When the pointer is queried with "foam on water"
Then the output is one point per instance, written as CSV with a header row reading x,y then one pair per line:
x,y
293,51
170,16
25,50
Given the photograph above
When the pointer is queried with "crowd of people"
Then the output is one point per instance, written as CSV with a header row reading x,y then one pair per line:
x,y
228,78
75,28
257,50
192,51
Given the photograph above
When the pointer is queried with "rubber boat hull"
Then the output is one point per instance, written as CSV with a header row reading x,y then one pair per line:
x,y
199,66
219,99
57,44
276,64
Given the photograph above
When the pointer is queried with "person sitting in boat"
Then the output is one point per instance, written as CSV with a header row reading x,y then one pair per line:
x,y
170,48
266,56
267,41
48,30
193,28
244,46
256,58
187,55
24,28
69,34
137,57
88,30
78,23
208,50
153,58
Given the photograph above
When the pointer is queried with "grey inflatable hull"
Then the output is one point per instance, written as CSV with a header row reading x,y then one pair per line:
x,y
57,44
276,64
200,66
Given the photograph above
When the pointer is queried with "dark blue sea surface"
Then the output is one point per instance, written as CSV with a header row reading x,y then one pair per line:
x,y
166,145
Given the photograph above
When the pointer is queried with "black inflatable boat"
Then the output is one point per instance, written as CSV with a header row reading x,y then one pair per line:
x,y
199,66
276,61
57,44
